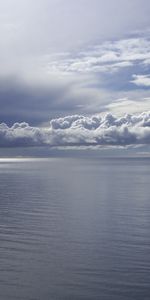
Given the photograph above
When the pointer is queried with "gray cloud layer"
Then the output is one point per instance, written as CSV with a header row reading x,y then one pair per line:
x,y
78,130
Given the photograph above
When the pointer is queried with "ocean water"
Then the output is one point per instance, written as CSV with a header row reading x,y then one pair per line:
x,y
75,228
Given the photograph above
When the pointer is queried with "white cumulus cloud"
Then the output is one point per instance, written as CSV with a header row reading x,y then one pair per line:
x,y
78,130
141,80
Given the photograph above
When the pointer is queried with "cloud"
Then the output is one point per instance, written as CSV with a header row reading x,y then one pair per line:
x,y
79,130
84,46
19,97
20,134
110,56
127,105
80,81
141,80
40,22
54,95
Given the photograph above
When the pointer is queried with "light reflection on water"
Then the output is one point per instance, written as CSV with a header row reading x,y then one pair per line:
x,y
74,229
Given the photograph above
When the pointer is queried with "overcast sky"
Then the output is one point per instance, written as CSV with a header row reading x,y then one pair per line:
x,y
64,57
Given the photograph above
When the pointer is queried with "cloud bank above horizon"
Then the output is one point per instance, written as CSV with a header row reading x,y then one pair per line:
x,y
77,131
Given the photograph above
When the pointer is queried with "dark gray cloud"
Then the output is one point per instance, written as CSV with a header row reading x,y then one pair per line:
x,y
79,131
35,103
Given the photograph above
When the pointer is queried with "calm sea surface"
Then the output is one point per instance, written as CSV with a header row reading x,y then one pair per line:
x,y
74,229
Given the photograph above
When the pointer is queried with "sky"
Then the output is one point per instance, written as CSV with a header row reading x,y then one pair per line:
x,y
75,73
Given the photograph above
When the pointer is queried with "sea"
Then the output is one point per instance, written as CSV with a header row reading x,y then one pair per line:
x,y
74,228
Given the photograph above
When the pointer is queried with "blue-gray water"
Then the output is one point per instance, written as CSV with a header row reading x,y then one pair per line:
x,y
74,229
